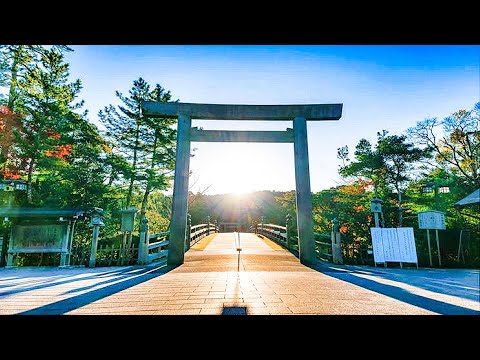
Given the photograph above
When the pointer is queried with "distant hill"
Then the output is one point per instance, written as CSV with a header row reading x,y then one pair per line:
x,y
246,209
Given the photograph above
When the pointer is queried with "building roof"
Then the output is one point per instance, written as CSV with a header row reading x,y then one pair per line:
x,y
471,199
41,212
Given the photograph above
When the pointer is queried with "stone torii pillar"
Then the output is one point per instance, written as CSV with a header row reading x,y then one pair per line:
x,y
185,112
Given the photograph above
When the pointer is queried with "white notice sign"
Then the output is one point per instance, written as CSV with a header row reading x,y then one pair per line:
x,y
406,242
393,244
431,220
377,245
390,244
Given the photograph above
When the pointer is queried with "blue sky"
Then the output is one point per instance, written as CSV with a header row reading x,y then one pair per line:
x,y
381,87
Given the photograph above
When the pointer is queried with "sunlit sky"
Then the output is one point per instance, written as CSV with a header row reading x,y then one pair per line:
x,y
381,87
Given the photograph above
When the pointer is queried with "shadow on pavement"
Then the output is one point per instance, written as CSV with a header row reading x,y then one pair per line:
x,y
128,279
349,275
51,281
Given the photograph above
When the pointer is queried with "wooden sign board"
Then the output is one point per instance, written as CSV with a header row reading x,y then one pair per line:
x,y
431,220
38,237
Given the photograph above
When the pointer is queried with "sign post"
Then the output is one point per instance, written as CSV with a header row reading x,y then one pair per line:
x,y
435,220
429,248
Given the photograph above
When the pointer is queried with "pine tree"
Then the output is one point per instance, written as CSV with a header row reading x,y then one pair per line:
x,y
146,144
46,104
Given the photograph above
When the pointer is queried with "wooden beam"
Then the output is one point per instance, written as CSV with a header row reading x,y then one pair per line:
x,y
243,112
241,136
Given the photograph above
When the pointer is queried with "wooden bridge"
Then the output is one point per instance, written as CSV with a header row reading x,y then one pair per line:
x,y
240,274
153,247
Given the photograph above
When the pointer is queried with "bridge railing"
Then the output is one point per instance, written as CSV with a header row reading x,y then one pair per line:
x,y
153,247
274,232
327,246
198,232
323,246
159,247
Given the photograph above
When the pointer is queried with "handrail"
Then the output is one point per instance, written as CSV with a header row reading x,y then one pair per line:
x,y
161,234
274,232
159,247
323,249
278,234
149,251
203,230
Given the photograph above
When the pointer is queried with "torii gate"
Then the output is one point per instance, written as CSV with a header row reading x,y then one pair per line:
x,y
186,134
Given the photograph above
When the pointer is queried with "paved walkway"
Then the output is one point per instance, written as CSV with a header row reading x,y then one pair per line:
x,y
265,279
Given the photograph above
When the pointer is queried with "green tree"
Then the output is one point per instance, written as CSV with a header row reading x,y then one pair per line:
x,y
399,159
388,165
455,143
368,164
159,139
46,104
16,61
146,144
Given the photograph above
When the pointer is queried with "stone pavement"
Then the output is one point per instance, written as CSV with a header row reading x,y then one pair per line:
x,y
214,279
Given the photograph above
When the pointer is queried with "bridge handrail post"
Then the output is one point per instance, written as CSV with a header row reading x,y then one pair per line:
x,y
288,221
144,242
188,232
337,256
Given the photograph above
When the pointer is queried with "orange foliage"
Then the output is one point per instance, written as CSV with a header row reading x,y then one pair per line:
x,y
356,189
343,229
61,151
10,175
359,208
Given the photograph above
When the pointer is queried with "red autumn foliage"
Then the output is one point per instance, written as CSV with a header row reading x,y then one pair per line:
x,y
52,135
61,151
10,175
8,122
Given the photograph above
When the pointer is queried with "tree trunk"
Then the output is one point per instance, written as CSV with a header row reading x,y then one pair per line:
x,y
29,181
400,211
143,209
13,82
134,167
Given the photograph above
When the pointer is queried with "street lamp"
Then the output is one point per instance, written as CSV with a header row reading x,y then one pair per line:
x,y
376,208
10,186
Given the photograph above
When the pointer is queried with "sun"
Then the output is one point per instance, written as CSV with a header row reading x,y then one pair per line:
x,y
241,168
241,193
